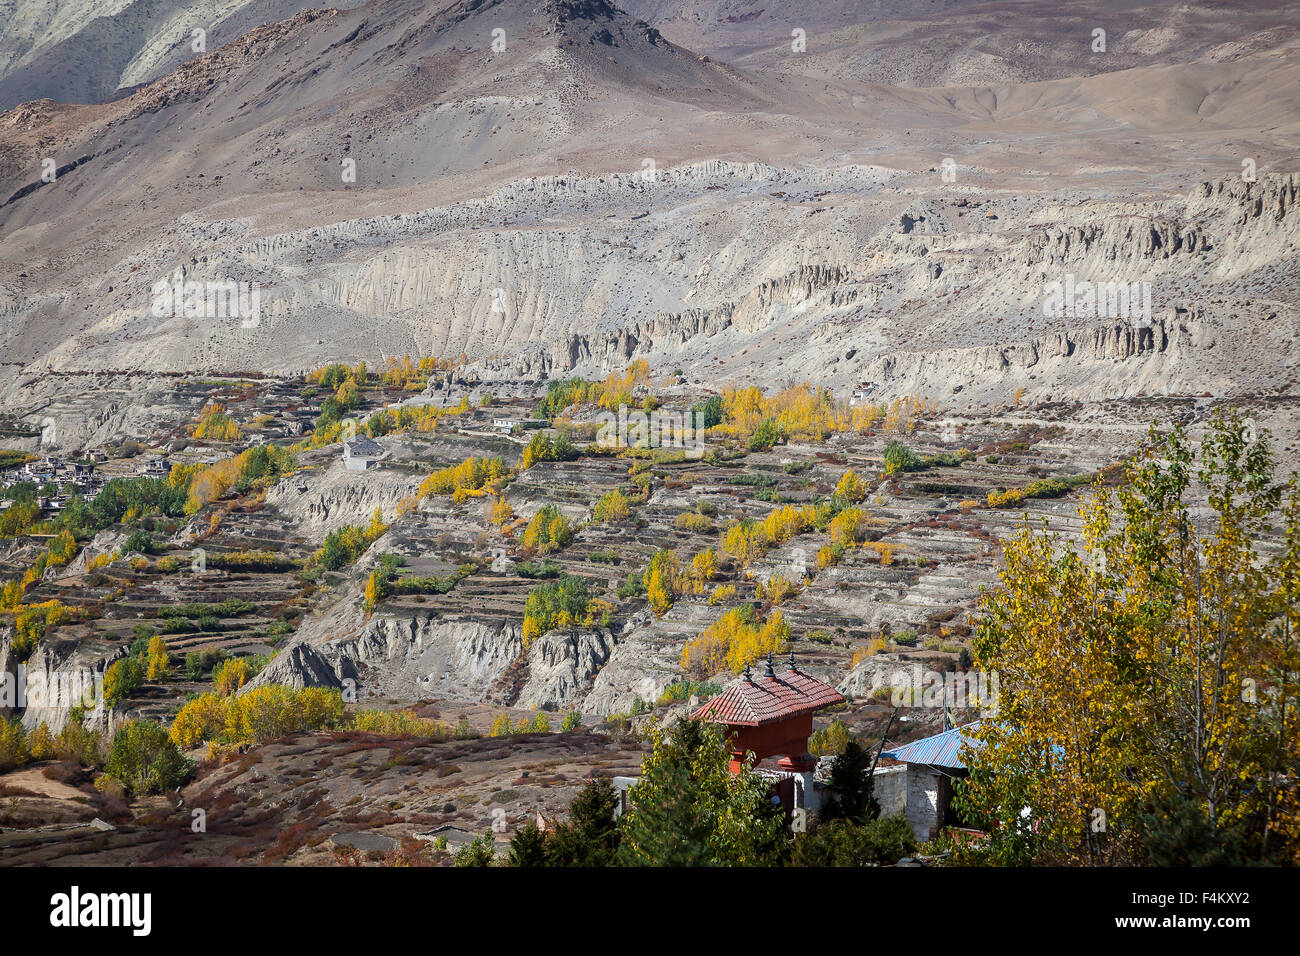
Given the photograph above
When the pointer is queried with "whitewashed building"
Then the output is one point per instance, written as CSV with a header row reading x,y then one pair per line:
x,y
360,453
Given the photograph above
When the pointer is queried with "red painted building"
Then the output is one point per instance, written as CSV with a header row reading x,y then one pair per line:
x,y
771,716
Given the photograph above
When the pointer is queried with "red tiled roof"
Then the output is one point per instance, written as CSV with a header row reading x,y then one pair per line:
x,y
764,700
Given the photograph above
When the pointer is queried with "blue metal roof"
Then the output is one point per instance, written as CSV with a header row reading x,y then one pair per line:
x,y
941,750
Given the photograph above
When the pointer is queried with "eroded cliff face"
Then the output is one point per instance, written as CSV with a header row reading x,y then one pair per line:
x,y
745,272
61,674
561,667
421,657
403,658
327,495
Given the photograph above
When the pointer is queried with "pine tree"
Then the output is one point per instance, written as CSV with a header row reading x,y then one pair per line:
x,y
688,809
850,779
591,837
528,846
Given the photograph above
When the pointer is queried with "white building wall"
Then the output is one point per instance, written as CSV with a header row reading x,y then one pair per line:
x,y
889,787
922,800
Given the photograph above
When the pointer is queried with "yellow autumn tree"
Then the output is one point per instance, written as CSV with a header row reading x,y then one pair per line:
x,y
846,528
157,659
499,512
201,719
851,487
216,425
744,540
1148,680
230,675
734,641
704,568
663,580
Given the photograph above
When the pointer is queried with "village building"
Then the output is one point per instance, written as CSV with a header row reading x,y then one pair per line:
x,y
508,424
926,791
157,466
360,453
770,716
861,393
42,469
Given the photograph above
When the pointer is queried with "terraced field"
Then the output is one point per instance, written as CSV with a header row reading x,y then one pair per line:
x,y
243,577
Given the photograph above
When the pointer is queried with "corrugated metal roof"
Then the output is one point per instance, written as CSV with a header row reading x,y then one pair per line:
x,y
941,750
763,700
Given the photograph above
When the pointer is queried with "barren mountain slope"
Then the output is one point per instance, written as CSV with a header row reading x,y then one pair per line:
x,y
968,42
593,192
91,50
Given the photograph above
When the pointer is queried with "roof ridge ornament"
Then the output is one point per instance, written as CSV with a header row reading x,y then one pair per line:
x,y
748,676
768,671
792,667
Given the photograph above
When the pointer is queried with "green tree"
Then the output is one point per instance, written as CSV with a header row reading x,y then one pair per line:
x,y
768,433
528,846
898,457
850,783
123,677
879,842
708,413
688,809
144,759
480,852
591,835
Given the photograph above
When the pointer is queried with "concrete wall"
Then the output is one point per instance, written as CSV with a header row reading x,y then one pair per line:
x,y
922,800
889,786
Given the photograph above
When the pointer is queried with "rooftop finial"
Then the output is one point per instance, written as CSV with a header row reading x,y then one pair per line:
x,y
792,667
748,676
769,672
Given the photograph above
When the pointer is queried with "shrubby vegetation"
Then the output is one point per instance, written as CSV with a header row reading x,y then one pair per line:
x,y
471,476
258,467
1042,488
541,448
216,425
145,760
548,530
386,580
260,714
344,545
560,604
610,508
616,390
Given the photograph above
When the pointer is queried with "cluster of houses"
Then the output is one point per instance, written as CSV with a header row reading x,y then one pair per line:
x,y
76,476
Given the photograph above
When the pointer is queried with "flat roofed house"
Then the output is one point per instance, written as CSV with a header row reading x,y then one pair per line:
x,y
360,453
